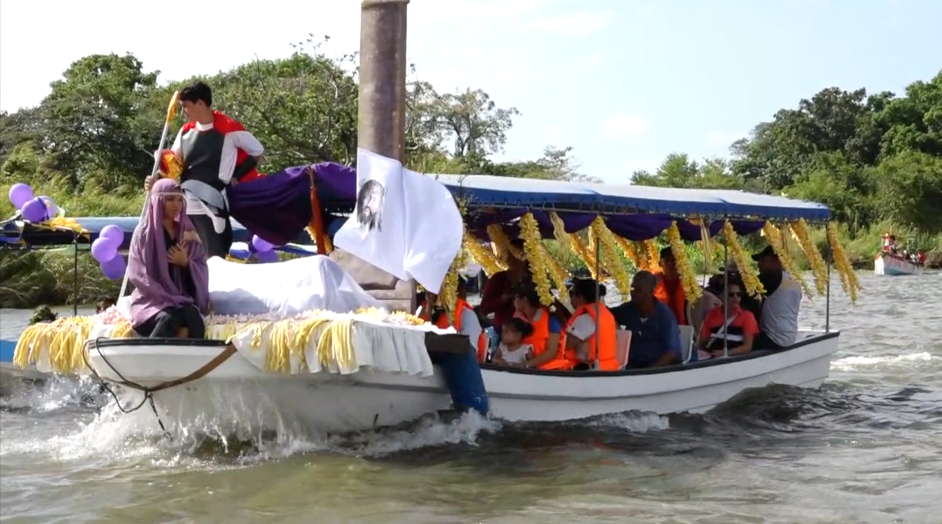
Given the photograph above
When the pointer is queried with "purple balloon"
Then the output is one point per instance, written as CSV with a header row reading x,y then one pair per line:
x,y
266,257
51,208
103,250
260,244
114,268
20,194
113,234
34,211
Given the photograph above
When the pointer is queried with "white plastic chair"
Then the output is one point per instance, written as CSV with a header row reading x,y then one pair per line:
x,y
622,346
686,343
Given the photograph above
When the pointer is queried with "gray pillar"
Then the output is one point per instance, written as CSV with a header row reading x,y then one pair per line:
x,y
381,116
381,122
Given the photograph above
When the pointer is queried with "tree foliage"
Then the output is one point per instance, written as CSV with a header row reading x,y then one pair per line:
x,y
870,158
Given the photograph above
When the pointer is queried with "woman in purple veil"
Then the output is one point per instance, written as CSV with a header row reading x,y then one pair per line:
x,y
167,267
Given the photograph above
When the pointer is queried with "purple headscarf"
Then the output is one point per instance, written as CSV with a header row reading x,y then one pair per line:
x,y
156,287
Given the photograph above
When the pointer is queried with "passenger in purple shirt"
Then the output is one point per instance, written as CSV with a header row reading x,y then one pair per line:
x,y
655,337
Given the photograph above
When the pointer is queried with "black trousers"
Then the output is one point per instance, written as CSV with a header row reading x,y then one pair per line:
x,y
764,342
214,244
166,323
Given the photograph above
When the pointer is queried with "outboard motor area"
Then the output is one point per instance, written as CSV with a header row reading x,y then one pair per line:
x,y
463,376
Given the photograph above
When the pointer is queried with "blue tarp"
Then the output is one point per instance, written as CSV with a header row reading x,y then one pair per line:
x,y
487,190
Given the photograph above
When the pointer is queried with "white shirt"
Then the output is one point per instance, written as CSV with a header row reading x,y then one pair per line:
x,y
779,320
515,356
582,327
471,326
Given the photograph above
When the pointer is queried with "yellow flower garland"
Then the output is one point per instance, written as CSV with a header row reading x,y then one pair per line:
x,y
750,278
583,252
688,277
500,243
707,245
448,294
559,231
800,232
848,277
557,272
775,239
609,253
533,246
483,256
631,253
654,255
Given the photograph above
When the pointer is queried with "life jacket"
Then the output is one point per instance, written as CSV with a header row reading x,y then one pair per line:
x,y
539,338
604,338
675,298
734,334
482,343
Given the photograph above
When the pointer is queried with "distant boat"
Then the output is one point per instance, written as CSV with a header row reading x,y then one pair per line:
x,y
890,265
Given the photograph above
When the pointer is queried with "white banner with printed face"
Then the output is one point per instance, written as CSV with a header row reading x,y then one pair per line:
x,y
405,223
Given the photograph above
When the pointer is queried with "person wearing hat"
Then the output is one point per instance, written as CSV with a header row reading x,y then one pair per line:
x,y
778,318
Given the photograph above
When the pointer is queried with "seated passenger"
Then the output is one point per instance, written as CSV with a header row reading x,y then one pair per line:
x,y
104,303
512,350
167,267
466,319
710,299
778,319
669,290
583,341
739,327
545,338
655,336
499,292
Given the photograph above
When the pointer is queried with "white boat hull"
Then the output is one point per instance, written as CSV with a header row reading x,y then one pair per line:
x,y
237,395
890,266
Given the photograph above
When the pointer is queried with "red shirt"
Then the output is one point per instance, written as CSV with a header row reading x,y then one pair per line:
x,y
715,319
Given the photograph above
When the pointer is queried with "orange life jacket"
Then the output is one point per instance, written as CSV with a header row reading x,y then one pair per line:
x,y
675,298
483,343
604,338
540,336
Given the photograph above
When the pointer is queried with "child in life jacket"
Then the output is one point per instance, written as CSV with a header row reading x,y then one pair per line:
x,y
512,351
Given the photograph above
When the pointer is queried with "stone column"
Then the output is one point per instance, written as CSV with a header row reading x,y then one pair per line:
x,y
382,102
381,122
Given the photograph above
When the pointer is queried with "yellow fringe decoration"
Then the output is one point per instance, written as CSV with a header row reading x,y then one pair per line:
x,y
64,339
328,245
483,256
801,234
448,294
609,253
750,278
630,252
583,252
558,273
653,252
707,245
500,243
533,246
848,277
559,231
776,239
688,278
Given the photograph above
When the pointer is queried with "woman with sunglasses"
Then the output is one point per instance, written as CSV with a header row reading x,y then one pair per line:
x,y
737,325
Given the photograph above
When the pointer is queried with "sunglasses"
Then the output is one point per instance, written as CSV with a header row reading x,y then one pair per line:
x,y
732,294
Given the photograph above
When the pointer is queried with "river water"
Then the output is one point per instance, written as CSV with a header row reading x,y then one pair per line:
x,y
865,448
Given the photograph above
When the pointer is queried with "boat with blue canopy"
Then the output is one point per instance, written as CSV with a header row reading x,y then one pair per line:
x,y
293,354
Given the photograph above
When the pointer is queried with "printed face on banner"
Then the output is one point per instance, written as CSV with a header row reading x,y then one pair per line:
x,y
370,200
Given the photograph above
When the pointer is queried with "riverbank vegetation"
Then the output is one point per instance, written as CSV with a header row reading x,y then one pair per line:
x,y
875,159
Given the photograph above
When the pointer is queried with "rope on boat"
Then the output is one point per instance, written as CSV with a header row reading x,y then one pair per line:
x,y
149,392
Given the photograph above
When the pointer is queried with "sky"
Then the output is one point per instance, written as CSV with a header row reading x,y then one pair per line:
x,y
623,82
